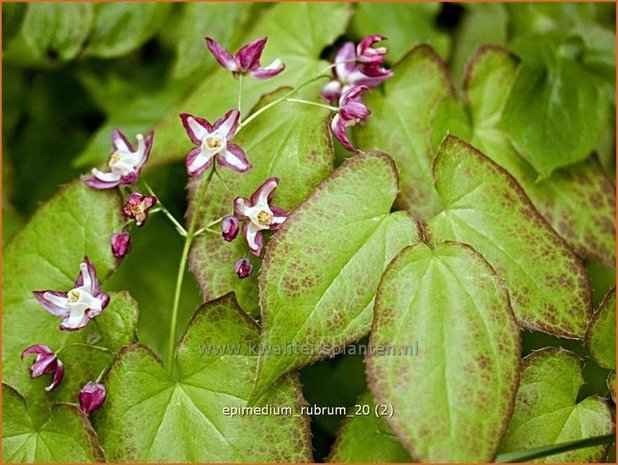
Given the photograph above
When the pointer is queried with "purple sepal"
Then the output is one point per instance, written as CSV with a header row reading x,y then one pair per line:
x,y
246,60
46,361
96,183
229,228
121,244
352,110
91,397
49,305
243,268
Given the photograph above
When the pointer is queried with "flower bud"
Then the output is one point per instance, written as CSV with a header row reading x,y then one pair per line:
x,y
243,268
91,397
121,244
229,228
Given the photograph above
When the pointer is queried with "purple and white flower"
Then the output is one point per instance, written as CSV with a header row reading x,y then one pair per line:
x,y
46,361
125,162
258,215
357,66
91,397
121,244
352,110
243,268
246,60
229,228
213,141
137,207
79,305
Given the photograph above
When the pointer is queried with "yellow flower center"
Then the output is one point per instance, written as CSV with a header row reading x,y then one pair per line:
x,y
264,218
114,158
214,142
73,296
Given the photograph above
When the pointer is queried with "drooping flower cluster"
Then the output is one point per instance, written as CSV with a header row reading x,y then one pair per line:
x,y
357,69
76,307
357,66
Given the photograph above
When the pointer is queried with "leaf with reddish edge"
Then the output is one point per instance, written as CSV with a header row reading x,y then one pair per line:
x,y
401,122
578,201
289,141
322,268
452,401
66,436
546,411
150,415
486,208
601,333
367,438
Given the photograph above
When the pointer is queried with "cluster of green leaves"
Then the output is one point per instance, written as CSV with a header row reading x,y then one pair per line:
x,y
464,220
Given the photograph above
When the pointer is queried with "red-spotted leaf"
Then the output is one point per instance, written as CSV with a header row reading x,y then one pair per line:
x,y
486,208
601,333
153,416
321,270
453,399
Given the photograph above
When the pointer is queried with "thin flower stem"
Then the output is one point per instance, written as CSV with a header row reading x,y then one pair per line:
x,y
208,226
279,100
545,451
81,344
240,96
179,227
182,268
316,104
222,182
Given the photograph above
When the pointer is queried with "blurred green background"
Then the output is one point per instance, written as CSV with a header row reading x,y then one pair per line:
x,y
71,72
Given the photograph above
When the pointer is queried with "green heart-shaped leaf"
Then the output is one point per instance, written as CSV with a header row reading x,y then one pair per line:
x,y
548,92
78,221
291,142
486,208
367,438
546,411
150,415
321,270
65,437
452,400
578,201
601,333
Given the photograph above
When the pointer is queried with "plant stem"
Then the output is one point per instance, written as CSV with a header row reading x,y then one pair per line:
x,y
316,104
240,96
81,344
544,451
277,101
181,230
182,268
